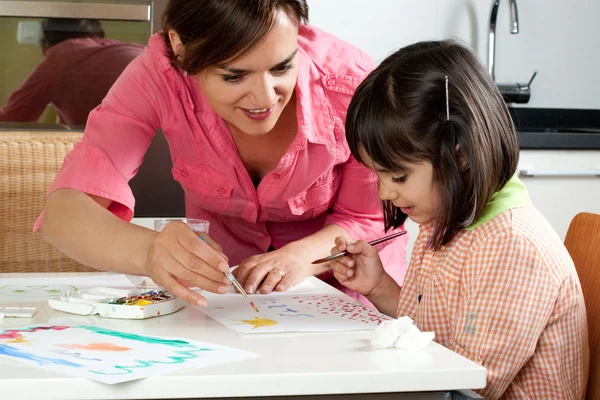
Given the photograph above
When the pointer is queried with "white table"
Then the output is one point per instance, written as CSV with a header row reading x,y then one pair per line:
x,y
291,365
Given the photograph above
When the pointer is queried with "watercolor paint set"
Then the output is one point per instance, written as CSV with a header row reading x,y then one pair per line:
x,y
140,303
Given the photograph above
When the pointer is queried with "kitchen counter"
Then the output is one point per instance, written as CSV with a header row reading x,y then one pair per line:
x,y
557,128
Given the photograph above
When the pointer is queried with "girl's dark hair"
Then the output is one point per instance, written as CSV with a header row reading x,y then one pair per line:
x,y
215,32
398,116
56,30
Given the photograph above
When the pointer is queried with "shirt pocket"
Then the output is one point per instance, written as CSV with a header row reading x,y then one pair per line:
x,y
204,186
317,199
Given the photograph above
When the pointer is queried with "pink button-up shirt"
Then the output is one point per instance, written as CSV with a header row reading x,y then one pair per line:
x,y
317,182
74,76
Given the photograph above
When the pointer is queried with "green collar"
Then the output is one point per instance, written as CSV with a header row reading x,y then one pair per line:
x,y
513,195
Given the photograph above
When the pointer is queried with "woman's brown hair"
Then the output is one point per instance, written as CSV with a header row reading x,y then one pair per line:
x,y
215,32
398,115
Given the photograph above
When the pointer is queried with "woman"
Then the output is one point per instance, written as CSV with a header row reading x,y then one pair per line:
x,y
252,101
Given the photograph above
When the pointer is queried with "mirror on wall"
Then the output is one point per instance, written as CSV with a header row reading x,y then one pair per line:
x,y
60,58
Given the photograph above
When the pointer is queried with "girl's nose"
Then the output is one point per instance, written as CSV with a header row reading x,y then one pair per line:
x,y
385,193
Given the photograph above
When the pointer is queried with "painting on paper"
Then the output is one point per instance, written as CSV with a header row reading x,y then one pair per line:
x,y
109,356
292,312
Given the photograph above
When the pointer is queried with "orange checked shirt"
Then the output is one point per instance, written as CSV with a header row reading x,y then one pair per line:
x,y
506,295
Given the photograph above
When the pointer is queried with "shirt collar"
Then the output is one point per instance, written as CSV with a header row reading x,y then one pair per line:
x,y
513,195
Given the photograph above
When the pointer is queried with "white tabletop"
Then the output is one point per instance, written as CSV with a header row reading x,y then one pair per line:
x,y
290,364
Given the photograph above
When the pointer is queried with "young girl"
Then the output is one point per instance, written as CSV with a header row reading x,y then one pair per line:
x,y
488,273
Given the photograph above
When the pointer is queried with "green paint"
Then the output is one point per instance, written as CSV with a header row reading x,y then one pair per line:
x,y
53,291
180,359
139,338
19,291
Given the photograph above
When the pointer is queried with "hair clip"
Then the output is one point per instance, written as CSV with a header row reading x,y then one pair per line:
x,y
447,101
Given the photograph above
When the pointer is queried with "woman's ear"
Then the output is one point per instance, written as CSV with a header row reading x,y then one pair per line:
x,y
463,164
176,44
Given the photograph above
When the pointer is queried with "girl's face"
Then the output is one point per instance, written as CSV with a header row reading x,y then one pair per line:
x,y
251,92
411,190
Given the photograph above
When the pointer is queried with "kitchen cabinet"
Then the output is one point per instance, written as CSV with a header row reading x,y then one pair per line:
x,y
562,183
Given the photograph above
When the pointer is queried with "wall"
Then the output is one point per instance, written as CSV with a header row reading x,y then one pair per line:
x,y
556,37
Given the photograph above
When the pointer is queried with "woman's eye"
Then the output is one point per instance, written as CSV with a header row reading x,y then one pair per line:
x,y
282,69
399,179
234,78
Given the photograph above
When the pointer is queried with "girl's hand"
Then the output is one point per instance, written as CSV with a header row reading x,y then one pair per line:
x,y
361,270
179,259
277,270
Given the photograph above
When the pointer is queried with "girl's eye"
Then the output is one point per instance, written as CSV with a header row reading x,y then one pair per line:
x,y
233,78
282,69
400,179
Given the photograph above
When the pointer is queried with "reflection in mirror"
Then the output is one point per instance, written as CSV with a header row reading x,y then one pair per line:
x,y
56,70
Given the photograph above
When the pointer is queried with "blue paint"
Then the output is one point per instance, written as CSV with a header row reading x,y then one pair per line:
x,y
283,305
14,352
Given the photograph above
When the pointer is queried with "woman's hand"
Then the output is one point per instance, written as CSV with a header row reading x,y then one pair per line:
x,y
179,259
280,269
361,270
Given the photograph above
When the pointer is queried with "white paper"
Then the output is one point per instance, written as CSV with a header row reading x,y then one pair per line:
x,y
38,289
304,308
109,356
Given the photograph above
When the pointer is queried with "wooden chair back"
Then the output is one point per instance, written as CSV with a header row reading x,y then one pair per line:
x,y
583,243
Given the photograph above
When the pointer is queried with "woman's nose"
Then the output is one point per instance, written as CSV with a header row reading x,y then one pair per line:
x,y
264,92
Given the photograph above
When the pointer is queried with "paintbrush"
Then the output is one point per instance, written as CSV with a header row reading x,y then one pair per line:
x,y
236,283
372,243
240,289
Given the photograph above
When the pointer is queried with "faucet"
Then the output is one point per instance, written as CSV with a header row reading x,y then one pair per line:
x,y
511,92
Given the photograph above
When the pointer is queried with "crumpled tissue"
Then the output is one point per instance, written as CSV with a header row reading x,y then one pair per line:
x,y
400,333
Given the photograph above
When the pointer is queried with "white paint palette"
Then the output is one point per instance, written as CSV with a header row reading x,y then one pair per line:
x,y
139,303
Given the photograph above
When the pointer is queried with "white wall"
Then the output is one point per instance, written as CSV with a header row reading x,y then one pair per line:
x,y
559,38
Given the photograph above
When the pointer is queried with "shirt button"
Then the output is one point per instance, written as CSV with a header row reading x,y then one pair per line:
x,y
276,176
331,82
184,174
221,191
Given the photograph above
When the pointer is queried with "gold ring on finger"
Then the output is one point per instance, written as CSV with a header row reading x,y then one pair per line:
x,y
278,271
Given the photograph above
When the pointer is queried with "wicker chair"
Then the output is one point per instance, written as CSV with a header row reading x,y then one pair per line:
x,y
29,161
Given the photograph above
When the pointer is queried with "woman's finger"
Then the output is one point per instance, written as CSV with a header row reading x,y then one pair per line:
x,y
212,243
256,275
241,273
163,278
201,249
288,280
183,274
197,265
272,278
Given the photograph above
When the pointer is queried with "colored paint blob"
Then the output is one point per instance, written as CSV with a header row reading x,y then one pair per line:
x,y
259,322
